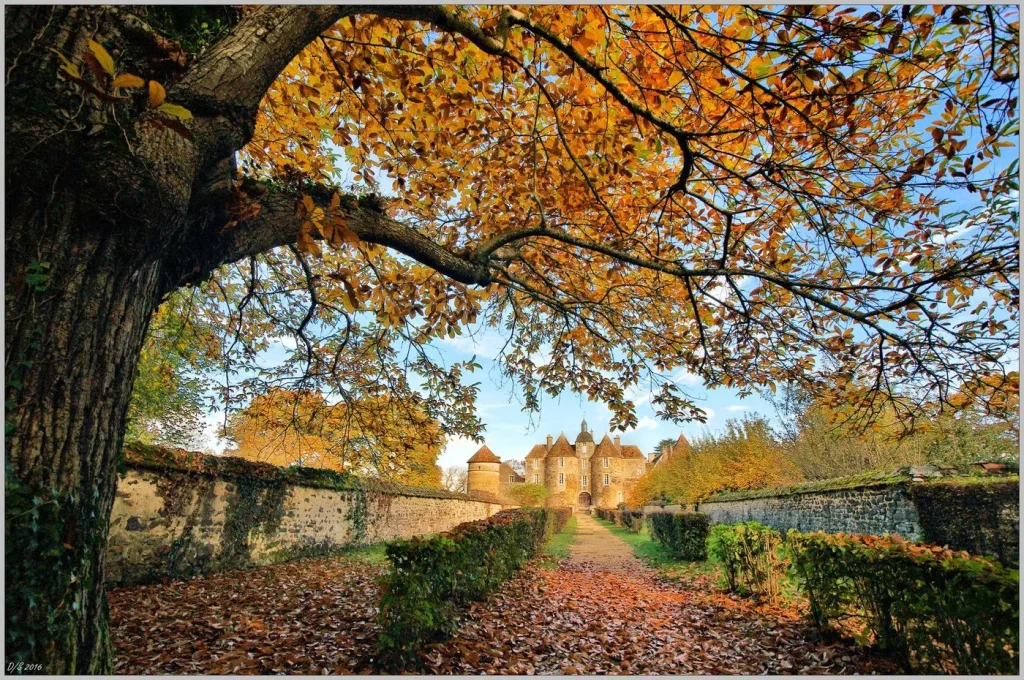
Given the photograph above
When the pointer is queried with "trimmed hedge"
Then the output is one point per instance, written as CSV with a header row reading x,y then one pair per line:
x,y
684,534
750,556
631,520
932,608
431,579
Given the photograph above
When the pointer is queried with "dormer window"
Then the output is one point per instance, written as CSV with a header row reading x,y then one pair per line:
x,y
511,479
561,461
605,464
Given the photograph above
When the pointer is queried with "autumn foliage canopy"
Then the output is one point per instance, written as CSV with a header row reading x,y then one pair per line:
x,y
751,194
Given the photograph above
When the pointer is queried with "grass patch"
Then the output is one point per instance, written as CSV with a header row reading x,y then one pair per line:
x,y
557,548
654,554
367,554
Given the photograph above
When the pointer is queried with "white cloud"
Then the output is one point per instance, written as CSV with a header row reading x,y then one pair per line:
x,y
210,438
737,408
639,394
646,423
457,450
286,341
484,343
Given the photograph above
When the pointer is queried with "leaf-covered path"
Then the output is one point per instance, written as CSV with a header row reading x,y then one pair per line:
x,y
600,611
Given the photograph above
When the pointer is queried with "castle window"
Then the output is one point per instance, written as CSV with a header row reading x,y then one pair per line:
x,y
605,462
584,480
561,462
511,479
606,479
620,496
536,479
536,465
561,478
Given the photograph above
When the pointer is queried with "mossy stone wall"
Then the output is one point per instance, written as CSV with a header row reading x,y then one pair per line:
x,y
178,514
977,514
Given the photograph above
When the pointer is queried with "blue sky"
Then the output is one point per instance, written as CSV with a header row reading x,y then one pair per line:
x,y
510,433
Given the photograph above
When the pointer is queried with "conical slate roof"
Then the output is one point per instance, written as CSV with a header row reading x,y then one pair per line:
x,y
681,446
561,447
607,449
584,435
484,455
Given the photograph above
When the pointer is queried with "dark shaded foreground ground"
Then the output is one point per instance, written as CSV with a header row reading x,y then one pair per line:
x,y
591,615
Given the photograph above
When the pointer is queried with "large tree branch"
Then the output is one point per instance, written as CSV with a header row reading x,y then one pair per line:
x,y
224,88
277,223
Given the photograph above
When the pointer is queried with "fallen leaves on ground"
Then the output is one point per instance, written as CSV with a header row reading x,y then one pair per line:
x,y
305,617
317,616
583,619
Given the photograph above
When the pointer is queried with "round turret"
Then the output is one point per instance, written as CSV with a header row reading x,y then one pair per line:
x,y
484,472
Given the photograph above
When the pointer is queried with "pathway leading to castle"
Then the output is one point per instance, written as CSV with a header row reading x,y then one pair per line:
x,y
596,545
600,611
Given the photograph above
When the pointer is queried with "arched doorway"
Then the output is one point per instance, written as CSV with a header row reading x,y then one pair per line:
x,y
584,500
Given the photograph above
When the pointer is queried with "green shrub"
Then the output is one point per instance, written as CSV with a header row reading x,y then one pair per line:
x,y
683,534
528,495
631,520
431,579
749,554
932,608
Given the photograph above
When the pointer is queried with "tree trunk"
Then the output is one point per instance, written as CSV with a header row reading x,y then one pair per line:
x,y
107,211
82,281
74,333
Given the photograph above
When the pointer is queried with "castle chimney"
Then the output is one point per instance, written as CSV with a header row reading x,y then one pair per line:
x,y
618,441
549,441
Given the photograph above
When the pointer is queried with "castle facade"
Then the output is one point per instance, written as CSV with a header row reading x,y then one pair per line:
x,y
578,475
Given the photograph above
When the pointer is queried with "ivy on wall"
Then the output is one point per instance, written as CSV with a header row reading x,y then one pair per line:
x,y
978,515
253,512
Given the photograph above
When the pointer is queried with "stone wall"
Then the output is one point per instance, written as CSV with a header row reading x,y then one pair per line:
x,y
980,515
878,510
177,515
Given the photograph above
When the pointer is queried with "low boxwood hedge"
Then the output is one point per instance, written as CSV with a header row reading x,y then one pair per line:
x,y
431,579
684,534
934,609
631,520
750,556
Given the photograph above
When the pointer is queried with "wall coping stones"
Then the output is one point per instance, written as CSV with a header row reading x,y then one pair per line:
x,y
904,476
162,458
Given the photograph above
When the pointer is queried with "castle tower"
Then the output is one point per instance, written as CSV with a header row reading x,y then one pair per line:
x,y
562,474
484,472
585,449
535,464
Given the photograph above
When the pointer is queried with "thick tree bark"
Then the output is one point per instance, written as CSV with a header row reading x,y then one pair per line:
x,y
106,213
80,289
98,217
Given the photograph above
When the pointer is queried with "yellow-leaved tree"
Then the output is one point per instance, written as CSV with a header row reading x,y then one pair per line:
x,y
389,441
752,194
746,455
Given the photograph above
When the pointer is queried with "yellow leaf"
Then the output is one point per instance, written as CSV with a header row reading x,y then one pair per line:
x,y
128,80
102,56
71,70
157,94
308,202
176,111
